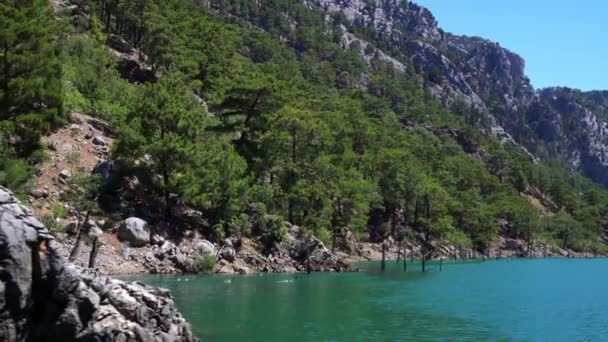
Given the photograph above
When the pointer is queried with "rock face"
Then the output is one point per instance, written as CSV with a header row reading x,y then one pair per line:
x,y
551,123
43,298
135,231
575,122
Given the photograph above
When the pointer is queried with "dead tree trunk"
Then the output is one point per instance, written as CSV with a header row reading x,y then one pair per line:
x,y
404,258
399,252
308,249
82,228
93,254
76,247
383,264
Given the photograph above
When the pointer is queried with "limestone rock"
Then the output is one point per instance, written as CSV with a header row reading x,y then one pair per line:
x,y
44,298
228,253
135,231
205,247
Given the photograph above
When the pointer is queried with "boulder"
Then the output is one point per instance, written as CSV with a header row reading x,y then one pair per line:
x,y
346,241
98,140
65,174
310,253
228,253
135,231
48,299
37,193
205,247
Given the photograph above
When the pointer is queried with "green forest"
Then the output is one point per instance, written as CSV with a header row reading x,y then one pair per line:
x,y
258,116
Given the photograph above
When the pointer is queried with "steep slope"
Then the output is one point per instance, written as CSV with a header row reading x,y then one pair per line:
x,y
572,125
554,124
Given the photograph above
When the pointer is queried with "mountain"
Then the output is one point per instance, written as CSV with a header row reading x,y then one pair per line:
x,y
237,120
553,124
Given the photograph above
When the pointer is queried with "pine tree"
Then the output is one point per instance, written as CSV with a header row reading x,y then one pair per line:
x,y
30,73
160,131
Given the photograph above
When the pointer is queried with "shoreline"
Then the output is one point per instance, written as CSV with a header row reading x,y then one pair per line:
x,y
296,254
353,264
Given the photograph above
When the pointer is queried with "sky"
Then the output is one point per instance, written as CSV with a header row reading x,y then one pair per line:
x,y
564,42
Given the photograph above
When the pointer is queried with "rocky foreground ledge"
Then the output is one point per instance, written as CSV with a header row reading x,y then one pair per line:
x,y
44,298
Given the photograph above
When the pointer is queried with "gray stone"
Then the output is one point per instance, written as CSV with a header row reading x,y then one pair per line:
x,y
167,245
157,240
65,174
99,140
228,253
135,231
205,247
52,300
95,231
37,194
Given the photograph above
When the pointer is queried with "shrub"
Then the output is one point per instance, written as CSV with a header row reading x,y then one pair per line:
x,y
274,231
203,264
50,222
59,211
325,236
15,175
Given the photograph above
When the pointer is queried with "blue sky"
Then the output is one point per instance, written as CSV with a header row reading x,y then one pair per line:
x,y
564,42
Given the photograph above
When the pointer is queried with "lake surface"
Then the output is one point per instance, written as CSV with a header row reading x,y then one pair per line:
x,y
505,300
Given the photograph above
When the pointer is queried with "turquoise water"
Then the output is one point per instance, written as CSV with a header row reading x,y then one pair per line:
x,y
506,300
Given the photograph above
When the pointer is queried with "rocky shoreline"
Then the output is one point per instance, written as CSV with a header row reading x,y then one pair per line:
x,y
244,256
297,253
45,298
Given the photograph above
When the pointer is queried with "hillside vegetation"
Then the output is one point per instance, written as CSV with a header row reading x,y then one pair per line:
x,y
257,115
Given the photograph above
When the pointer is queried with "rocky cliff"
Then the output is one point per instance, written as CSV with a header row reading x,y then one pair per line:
x,y
572,125
43,298
554,123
